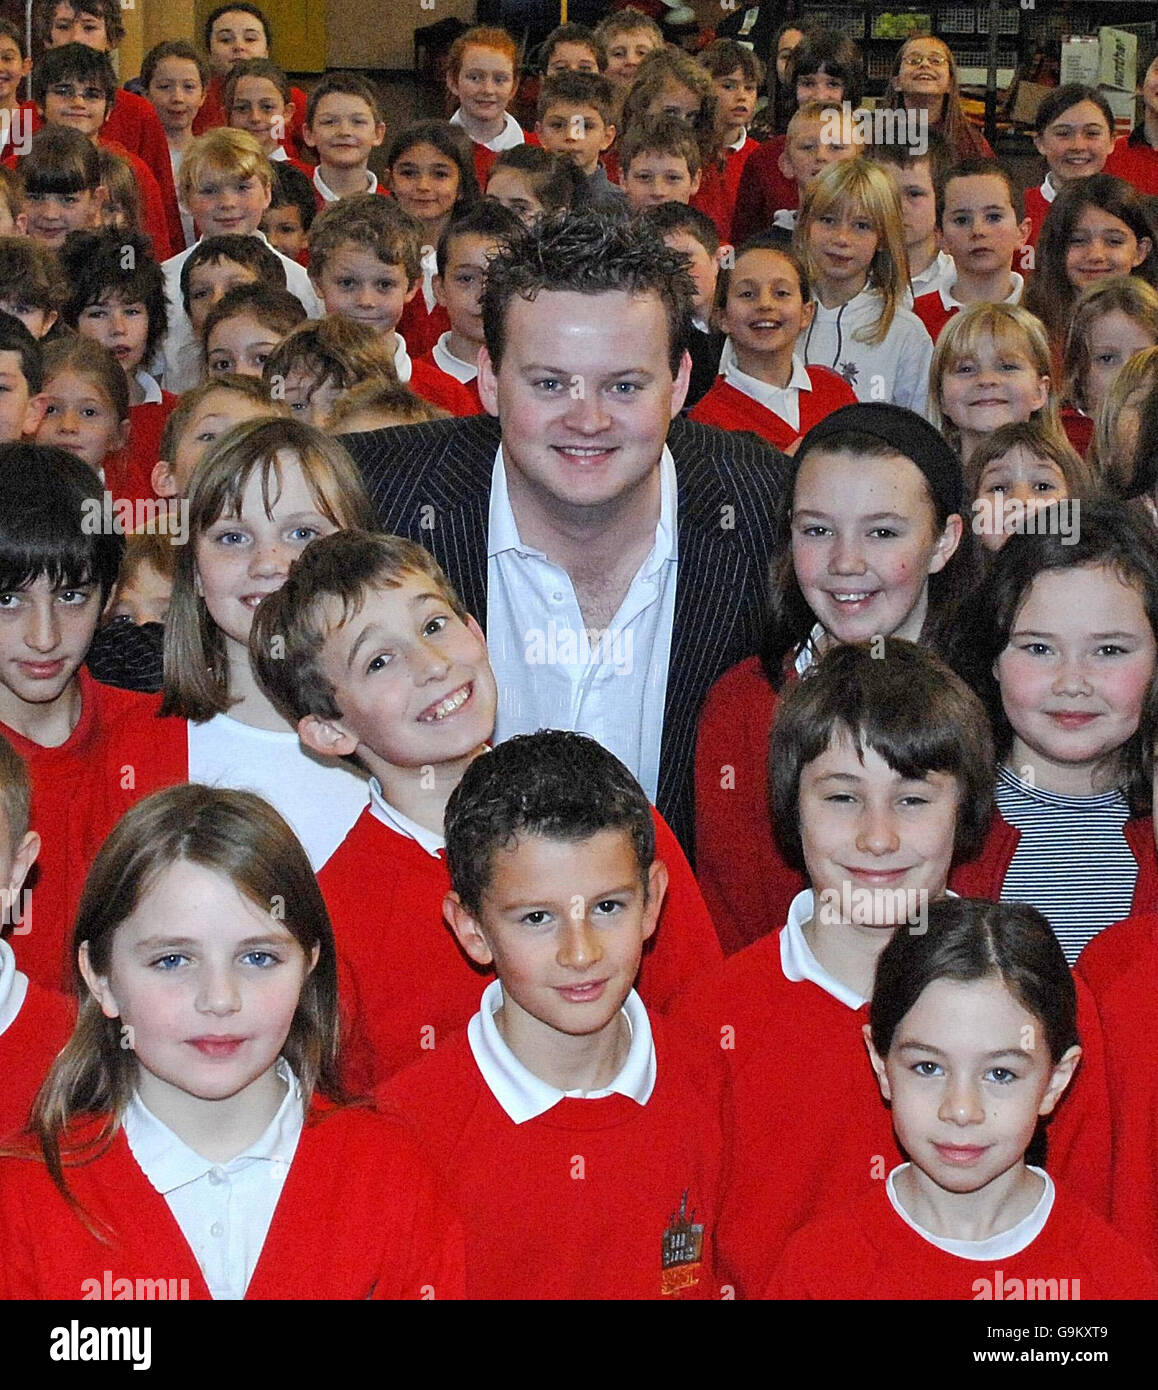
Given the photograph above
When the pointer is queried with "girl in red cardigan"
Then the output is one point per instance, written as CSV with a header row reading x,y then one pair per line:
x,y
256,501
845,574
763,304
973,1035
192,1129
1061,643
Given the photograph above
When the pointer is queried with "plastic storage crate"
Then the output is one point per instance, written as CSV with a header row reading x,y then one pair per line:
x,y
843,21
1008,21
961,19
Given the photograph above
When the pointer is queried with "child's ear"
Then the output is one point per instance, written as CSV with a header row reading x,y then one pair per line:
x,y
807,313
1025,227
488,383
947,543
326,736
467,930
1144,245
725,254
413,290
288,115
98,984
22,862
472,625
657,880
50,318
696,182
308,137
123,433
1063,1074
784,165
163,480
1043,385
436,286
877,1061
379,134
20,221
608,138
34,414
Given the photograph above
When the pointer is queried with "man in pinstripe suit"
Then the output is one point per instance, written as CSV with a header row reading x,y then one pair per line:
x,y
616,556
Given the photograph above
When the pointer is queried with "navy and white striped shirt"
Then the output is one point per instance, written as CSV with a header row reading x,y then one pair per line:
x,y
1072,861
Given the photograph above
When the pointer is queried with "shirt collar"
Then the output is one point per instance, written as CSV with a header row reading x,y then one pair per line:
x,y
328,193
393,817
503,529
277,154
149,385
522,1094
510,135
1001,1246
169,1163
452,365
738,145
13,987
948,300
763,391
797,960
402,364
1048,188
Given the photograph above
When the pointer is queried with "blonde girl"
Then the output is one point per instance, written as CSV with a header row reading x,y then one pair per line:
x,y
262,493
851,238
991,368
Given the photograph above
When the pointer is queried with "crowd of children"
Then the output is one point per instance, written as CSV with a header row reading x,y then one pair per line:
x,y
313,983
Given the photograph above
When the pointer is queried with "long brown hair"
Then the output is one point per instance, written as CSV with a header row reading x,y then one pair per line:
x,y
235,834
196,667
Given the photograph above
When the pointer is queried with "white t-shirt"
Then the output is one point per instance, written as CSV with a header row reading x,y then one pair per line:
x,y
321,798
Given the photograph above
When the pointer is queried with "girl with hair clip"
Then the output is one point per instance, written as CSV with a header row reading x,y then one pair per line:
x,y
1112,320
194,1129
852,241
762,304
842,576
974,1034
1126,428
257,499
825,66
1097,227
1060,642
431,174
991,367
1017,470
880,778
925,79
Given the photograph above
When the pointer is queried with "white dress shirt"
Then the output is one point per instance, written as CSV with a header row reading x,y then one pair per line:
x,y
224,1210
797,959
551,672
950,301
389,815
429,271
149,385
940,270
522,1094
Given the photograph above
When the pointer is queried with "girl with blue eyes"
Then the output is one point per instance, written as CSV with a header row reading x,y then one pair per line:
x,y
262,493
973,1033
851,238
1059,641
200,1089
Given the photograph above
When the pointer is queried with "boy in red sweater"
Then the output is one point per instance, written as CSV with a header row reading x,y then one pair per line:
x,y
578,1134
463,252
57,569
367,649
35,1023
366,264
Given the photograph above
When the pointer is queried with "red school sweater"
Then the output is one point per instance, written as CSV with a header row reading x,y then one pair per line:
x,y
1079,428
730,408
360,1216
746,882
435,385
28,1047
762,191
864,1250
1120,965
1134,159
129,472
930,309
422,327
590,1199
154,222
65,805
470,387
1036,209
133,122
406,984
807,1124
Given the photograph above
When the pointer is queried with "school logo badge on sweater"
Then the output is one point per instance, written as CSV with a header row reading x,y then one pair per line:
x,y
683,1244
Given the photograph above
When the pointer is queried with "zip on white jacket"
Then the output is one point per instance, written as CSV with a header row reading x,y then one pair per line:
x,y
896,369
